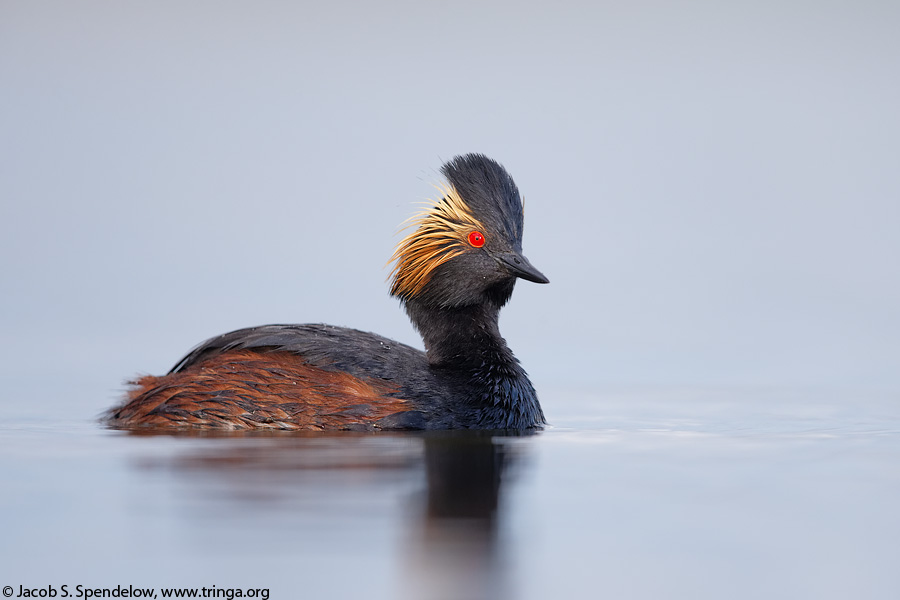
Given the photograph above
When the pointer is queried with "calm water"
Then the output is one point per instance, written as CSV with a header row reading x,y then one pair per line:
x,y
633,493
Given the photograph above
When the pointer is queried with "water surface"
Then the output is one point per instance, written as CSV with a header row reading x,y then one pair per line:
x,y
632,493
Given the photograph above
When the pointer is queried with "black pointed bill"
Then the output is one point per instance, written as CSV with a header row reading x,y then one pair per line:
x,y
519,266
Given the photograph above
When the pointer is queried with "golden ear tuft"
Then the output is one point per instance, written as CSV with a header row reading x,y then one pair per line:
x,y
440,234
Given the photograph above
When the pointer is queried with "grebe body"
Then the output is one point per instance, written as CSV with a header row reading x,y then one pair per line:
x,y
452,274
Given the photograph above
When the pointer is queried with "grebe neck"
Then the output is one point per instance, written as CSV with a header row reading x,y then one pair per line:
x,y
464,343
461,337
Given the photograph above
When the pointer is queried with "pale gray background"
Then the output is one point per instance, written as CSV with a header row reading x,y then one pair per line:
x,y
711,187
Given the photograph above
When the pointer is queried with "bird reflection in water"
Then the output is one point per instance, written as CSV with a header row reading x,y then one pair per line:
x,y
456,553
450,545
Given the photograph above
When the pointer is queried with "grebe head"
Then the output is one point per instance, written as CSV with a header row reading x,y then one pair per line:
x,y
466,248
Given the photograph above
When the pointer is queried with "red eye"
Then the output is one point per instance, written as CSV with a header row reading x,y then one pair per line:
x,y
476,239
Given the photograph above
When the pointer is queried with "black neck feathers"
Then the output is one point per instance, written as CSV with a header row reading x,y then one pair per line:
x,y
464,344
460,337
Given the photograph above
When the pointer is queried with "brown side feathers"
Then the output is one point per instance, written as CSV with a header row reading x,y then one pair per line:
x,y
243,389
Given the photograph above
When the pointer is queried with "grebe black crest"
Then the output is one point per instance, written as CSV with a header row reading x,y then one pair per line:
x,y
452,273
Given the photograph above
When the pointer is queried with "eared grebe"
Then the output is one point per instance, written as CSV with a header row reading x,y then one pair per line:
x,y
452,274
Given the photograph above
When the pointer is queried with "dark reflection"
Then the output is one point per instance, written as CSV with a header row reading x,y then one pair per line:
x,y
464,474
455,552
331,491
